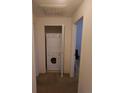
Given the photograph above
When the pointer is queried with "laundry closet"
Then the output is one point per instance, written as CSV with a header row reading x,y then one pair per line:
x,y
53,39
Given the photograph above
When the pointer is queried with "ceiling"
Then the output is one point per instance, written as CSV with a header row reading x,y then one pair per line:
x,y
55,7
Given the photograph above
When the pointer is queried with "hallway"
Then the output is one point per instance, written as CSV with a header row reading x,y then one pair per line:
x,y
53,83
64,14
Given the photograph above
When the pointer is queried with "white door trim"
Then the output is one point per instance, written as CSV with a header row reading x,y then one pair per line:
x,y
73,50
62,48
62,51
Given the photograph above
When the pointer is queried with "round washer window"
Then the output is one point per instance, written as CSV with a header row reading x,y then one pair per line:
x,y
53,60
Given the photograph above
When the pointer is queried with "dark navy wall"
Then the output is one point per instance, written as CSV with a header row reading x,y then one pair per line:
x,y
79,27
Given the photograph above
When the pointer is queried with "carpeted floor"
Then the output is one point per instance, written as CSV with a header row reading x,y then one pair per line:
x,y
53,83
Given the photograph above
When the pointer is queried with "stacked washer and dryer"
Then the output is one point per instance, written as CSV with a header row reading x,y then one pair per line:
x,y
53,50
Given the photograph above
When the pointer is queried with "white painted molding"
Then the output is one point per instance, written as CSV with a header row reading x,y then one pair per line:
x,y
73,51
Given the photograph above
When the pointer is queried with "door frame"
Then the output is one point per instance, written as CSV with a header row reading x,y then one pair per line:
x,y
74,30
62,48
73,50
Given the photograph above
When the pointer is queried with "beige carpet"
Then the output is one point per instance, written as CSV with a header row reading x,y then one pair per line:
x,y
53,83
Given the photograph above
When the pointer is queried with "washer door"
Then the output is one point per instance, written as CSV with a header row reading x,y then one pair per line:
x,y
53,62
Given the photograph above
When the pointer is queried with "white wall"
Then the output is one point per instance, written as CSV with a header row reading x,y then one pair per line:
x,y
33,66
85,74
40,40
35,47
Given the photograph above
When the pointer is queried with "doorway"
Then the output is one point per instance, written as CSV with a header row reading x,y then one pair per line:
x,y
79,30
54,42
76,47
